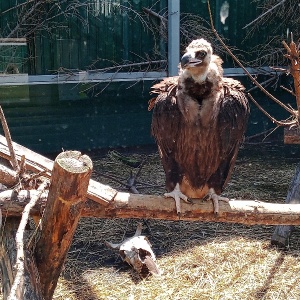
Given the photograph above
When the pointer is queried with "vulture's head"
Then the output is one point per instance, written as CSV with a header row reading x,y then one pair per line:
x,y
196,60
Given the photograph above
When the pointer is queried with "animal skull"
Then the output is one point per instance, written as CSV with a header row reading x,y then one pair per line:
x,y
137,252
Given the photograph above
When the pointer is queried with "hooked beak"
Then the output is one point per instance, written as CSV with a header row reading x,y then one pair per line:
x,y
187,61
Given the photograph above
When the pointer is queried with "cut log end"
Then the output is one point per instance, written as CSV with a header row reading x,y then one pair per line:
x,y
74,162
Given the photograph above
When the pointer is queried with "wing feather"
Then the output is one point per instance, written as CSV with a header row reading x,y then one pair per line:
x,y
166,119
232,120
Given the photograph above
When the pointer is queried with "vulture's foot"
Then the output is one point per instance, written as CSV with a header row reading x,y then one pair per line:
x,y
215,199
177,195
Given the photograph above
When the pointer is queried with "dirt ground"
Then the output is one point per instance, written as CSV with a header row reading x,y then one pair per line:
x,y
199,260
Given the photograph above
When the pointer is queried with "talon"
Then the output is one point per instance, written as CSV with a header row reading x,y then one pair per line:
x,y
206,197
215,199
176,194
190,201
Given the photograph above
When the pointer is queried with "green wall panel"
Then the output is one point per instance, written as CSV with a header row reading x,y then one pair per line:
x,y
49,118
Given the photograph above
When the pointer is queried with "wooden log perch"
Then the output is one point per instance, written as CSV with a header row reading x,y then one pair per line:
x,y
126,205
67,194
111,203
249,212
13,203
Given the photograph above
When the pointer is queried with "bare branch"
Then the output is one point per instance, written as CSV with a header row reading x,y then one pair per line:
x,y
291,111
263,14
287,90
279,123
129,65
9,141
279,18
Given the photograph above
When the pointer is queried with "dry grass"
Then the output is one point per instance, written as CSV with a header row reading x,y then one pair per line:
x,y
199,260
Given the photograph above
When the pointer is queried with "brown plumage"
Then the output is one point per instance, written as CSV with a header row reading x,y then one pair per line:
x,y
199,120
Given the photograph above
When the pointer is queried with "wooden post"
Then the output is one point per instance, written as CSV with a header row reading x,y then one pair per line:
x,y
29,287
282,233
67,195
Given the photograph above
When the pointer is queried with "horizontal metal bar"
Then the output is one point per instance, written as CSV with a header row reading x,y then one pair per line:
x,y
79,77
95,77
13,42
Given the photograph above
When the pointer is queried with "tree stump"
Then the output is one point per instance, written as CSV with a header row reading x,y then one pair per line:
x,y
67,194
283,233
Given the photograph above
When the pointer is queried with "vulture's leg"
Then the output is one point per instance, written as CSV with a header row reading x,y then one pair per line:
x,y
215,199
177,195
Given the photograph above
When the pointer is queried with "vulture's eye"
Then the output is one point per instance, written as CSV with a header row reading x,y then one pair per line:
x,y
201,54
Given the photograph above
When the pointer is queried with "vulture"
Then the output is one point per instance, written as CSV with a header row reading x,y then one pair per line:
x,y
198,122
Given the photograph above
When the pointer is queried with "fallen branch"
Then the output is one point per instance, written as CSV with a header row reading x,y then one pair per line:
x,y
17,288
287,90
126,205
